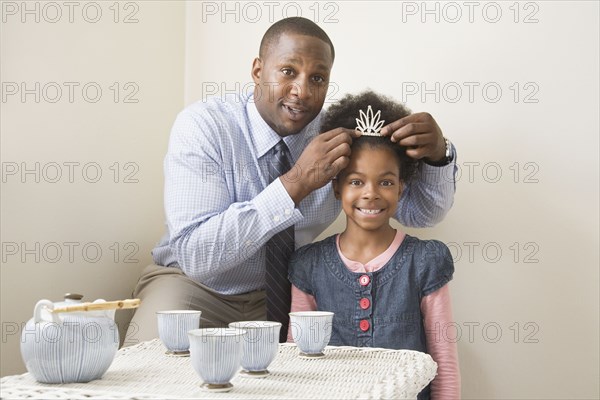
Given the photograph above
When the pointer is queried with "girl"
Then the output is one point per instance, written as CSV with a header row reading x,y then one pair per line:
x,y
387,289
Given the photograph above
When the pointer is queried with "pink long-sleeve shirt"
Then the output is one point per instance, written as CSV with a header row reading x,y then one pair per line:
x,y
437,320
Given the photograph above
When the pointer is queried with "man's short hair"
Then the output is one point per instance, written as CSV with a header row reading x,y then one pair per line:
x,y
293,25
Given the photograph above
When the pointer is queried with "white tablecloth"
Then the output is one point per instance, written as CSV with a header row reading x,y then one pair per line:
x,y
145,371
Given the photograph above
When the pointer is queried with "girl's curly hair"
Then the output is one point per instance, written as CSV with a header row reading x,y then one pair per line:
x,y
344,113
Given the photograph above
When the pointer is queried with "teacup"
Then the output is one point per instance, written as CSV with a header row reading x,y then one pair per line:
x,y
173,326
216,355
260,346
311,331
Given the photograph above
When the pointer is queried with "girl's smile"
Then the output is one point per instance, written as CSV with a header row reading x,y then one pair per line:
x,y
369,188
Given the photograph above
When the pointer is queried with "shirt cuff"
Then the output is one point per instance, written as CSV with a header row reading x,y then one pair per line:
x,y
277,206
438,175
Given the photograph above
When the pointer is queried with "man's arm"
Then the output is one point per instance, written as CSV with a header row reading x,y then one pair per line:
x,y
427,199
211,231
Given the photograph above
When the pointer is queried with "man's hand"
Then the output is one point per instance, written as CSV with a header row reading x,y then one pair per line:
x,y
323,158
420,134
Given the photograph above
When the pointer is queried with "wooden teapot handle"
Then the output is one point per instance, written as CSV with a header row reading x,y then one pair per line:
x,y
108,305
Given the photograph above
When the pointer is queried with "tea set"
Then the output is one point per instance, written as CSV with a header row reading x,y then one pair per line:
x,y
72,341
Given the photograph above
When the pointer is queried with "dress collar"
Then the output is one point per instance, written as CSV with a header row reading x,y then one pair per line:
x,y
376,263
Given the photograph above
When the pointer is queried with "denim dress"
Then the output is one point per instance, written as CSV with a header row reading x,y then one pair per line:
x,y
378,309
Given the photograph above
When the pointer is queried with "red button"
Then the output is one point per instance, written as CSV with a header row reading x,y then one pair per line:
x,y
364,280
364,325
364,303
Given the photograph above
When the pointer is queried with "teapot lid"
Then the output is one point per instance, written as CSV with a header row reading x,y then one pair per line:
x,y
73,296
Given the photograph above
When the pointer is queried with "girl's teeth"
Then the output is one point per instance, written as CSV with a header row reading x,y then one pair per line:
x,y
370,211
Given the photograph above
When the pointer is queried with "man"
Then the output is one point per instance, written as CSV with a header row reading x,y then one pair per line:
x,y
230,215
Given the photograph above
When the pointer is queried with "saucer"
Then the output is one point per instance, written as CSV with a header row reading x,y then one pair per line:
x,y
178,353
254,374
311,356
211,387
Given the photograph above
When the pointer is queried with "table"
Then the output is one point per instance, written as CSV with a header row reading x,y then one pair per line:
x,y
144,371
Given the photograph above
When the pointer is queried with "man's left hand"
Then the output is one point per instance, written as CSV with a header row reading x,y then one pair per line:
x,y
420,134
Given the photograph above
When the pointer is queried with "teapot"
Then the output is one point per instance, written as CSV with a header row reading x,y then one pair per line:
x,y
71,341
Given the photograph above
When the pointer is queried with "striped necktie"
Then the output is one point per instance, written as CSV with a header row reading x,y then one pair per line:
x,y
279,249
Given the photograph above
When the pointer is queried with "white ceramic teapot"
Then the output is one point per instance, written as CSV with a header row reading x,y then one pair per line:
x,y
71,341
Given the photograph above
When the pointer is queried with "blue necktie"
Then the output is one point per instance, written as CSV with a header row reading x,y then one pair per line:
x,y
279,249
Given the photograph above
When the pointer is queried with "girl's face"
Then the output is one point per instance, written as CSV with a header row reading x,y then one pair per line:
x,y
369,188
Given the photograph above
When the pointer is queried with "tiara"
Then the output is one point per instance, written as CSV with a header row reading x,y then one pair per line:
x,y
369,124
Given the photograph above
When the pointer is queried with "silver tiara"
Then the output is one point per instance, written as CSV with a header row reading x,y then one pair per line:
x,y
369,124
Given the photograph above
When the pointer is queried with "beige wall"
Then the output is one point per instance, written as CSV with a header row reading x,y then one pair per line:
x,y
528,188
71,137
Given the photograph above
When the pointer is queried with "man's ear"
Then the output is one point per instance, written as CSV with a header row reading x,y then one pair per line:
x,y
336,188
256,70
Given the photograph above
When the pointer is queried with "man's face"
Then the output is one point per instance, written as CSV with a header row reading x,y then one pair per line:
x,y
291,82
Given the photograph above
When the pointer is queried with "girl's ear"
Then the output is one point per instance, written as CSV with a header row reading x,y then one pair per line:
x,y
400,189
336,188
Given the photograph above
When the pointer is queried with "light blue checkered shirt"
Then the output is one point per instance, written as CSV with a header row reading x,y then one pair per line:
x,y
221,211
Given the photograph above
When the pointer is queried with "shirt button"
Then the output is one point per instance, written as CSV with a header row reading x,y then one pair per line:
x,y
364,280
364,325
287,211
364,303
276,218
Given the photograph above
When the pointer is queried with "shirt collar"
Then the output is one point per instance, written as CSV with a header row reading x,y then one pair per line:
x,y
264,138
